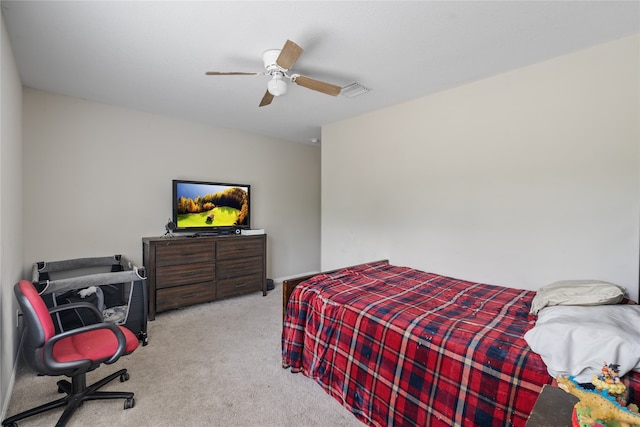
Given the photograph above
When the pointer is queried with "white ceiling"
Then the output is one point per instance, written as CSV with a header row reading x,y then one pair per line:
x,y
153,55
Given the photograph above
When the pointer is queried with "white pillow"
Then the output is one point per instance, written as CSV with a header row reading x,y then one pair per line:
x,y
579,340
577,292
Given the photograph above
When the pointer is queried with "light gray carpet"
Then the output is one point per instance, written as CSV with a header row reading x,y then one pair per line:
x,y
215,364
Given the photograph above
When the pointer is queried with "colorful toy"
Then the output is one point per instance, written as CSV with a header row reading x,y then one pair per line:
x,y
609,380
606,405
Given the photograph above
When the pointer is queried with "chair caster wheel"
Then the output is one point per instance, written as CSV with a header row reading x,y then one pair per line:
x,y
63,386
124,377
129,403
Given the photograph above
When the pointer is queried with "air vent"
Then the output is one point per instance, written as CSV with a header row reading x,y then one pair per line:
x,y
354,89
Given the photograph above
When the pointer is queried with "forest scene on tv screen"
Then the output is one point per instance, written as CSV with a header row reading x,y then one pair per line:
x,y
207,205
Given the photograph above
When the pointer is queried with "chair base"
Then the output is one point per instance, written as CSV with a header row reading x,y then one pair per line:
x,y
77,392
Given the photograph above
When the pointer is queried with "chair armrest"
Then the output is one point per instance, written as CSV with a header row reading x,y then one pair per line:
x,y
74,305
48,347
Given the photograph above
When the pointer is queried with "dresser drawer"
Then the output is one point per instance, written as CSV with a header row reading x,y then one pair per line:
x,y
240,247
239,285
175,275
181,253
238,267
181,296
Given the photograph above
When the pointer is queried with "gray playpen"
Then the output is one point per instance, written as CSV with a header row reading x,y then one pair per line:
x,y
115,285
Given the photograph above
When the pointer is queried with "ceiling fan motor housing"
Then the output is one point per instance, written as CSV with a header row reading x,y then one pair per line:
x,y
269,58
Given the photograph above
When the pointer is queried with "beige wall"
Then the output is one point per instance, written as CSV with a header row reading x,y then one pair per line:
x,y
98,179
10,211
521,179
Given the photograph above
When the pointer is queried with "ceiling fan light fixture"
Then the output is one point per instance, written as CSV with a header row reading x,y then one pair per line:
x,y
277,86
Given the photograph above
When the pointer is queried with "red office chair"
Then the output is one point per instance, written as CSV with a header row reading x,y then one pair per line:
x,y
72,353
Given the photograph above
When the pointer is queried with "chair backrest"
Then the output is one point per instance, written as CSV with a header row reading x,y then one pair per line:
x,y
38,324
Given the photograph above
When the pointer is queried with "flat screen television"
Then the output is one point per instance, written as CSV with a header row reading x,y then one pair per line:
x,y
202,207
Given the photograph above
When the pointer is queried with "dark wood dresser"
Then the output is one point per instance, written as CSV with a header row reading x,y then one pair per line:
x,y
182,270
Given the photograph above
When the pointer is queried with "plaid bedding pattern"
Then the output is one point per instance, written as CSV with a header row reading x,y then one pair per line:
x,y
402,347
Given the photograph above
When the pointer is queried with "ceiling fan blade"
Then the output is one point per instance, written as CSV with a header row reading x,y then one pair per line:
x,y
318,85
288,55
232,73
266,99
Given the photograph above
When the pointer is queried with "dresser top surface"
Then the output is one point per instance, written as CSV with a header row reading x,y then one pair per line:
x,y
199,238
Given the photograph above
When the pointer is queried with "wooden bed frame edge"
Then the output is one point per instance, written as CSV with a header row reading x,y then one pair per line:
x,y
289,284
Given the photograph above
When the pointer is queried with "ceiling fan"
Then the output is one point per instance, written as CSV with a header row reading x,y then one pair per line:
x,y
277,63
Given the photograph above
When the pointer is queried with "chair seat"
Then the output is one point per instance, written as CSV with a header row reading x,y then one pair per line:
x,y
92,345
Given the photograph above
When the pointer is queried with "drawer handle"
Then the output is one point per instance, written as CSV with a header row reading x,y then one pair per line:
x,y
241,285
185,296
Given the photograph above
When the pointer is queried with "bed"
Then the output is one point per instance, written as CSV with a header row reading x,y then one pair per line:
x,y
398,346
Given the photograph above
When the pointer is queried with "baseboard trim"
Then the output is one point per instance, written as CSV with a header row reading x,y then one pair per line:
x,y
12,379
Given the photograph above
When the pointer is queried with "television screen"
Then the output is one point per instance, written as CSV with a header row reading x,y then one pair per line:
x,y
210,206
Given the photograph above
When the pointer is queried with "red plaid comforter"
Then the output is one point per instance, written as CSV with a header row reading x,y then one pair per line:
x,y
398,346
